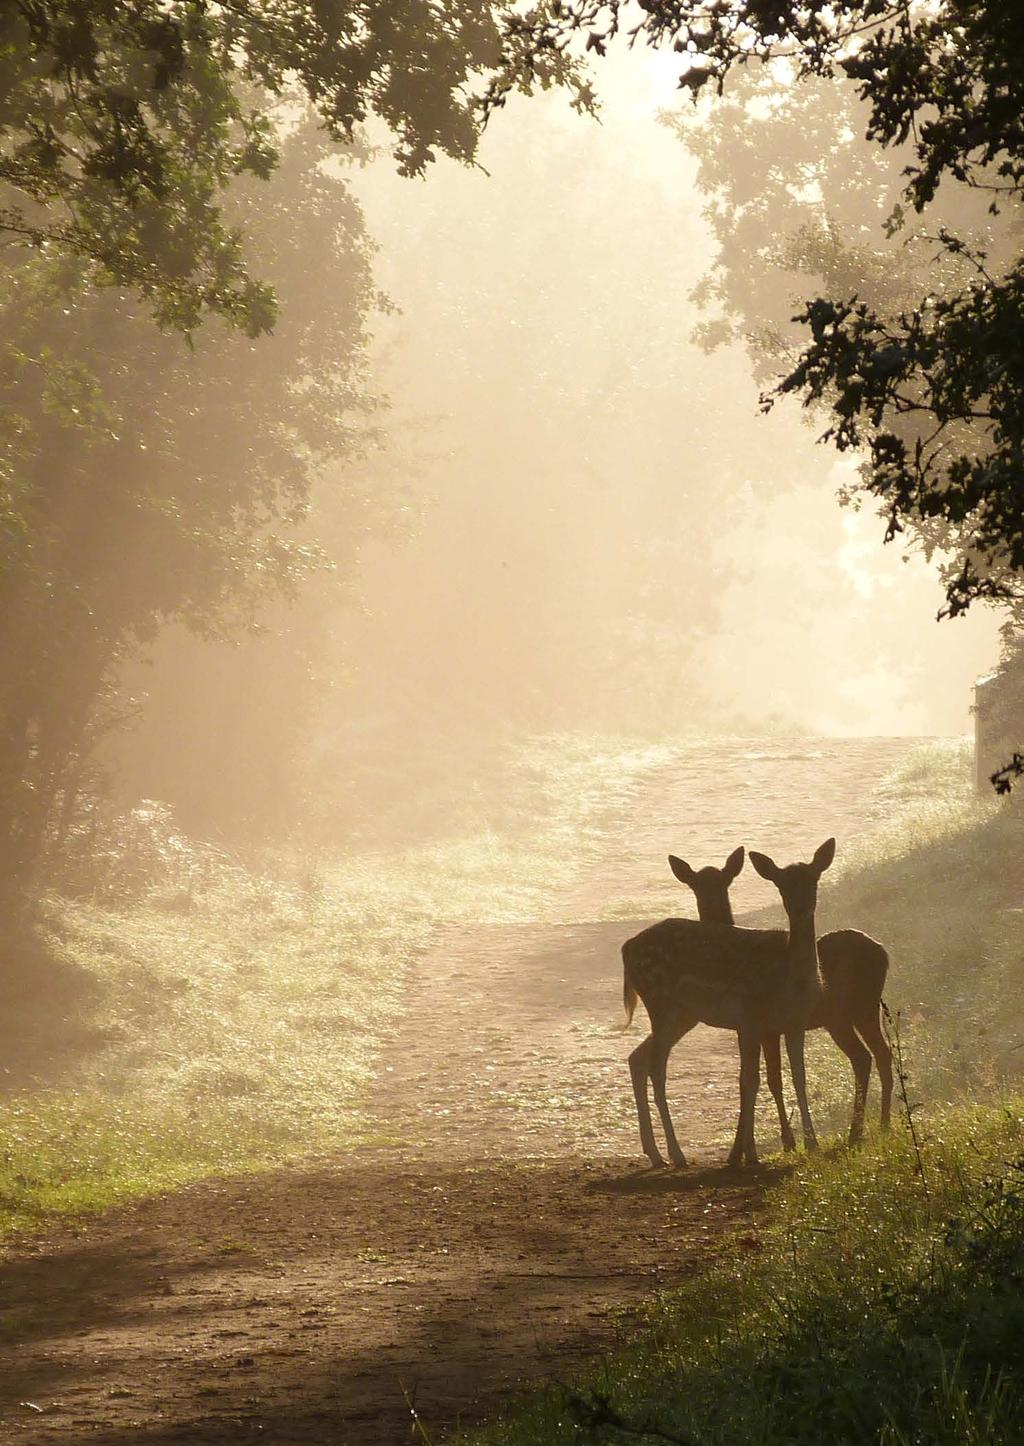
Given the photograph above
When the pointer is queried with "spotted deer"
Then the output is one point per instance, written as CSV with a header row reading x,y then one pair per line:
x,y
687,973
853,971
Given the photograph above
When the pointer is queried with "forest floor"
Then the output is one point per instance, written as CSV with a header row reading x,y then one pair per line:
x,y
495,1220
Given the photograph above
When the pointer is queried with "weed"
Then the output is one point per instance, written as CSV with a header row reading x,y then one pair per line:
x,y
895,1040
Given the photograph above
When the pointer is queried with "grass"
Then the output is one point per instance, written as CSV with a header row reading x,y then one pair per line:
x,y
195,1016
940,885
223,1039
874,1303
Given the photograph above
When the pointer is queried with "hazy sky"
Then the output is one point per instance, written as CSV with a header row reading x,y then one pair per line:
x,y
591,477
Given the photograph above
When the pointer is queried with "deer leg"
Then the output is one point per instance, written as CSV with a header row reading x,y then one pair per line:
x,y
772,1047
795,1051
871,1032
639,1072
744,1149
736,1153
661,1049
845,1037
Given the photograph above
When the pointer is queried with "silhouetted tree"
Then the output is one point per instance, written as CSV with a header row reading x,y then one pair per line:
x,y
931,394
801,199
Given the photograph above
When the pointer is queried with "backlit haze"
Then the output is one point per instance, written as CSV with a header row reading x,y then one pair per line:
x,y
592,528
610,533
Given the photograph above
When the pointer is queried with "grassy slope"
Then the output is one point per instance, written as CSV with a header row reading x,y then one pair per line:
x,y
877,1301
237,1024
941,885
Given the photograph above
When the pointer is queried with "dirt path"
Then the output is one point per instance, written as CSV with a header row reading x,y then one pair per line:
x,y
486,1236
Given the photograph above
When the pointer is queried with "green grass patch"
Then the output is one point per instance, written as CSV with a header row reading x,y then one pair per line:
x,y
878,1300
154,1046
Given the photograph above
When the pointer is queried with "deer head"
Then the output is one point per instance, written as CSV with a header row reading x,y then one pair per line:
x,y
710,885
797,883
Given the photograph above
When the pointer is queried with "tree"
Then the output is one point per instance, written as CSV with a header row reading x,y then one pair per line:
x,y
794,198
930,394
136,139
951,78
800,199
170,490
124,121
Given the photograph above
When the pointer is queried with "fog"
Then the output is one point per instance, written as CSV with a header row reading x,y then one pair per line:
x,y
611,535
567,517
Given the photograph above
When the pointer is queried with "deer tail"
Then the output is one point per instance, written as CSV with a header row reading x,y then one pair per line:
x,y
629,994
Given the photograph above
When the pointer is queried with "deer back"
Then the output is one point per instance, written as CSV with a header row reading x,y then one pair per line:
x,y
722,974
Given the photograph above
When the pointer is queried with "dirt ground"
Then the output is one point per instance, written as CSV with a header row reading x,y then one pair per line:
x,y
486,1235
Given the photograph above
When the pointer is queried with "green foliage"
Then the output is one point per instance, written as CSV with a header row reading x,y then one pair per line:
x,y
950,360
124,123
1000,704
871,1303
960,62
795,197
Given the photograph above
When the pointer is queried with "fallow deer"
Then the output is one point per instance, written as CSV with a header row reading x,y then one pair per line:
x,y
853,971
689,973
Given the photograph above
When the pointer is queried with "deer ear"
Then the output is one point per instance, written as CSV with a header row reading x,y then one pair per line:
x,y
765,866
733,864
824,856
681,869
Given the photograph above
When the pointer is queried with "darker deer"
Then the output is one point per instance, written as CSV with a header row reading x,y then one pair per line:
x,y
853,971
688,972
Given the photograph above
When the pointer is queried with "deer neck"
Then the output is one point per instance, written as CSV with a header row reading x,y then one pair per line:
x,y
719,913
803,947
